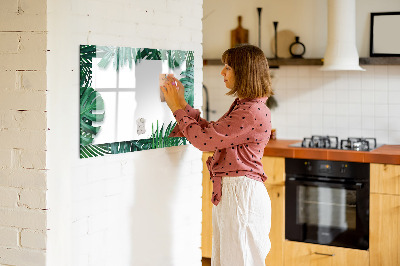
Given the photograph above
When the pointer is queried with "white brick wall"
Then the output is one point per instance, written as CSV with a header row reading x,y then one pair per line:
x,y
23,132
140,208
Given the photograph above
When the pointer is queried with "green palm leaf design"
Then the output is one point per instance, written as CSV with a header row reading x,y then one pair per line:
x,y
91,110
87,52
188,83
120,56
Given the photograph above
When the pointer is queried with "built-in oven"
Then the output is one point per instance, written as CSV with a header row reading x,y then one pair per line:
x,y
327,202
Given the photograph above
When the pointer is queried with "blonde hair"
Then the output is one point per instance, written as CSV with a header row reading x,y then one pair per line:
x,y
250,66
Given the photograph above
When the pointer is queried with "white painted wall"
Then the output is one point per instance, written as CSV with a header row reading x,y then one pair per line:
x,y
141,208
311,102
23,133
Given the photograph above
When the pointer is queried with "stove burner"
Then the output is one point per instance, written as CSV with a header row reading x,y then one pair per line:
x,y
358,144
328,142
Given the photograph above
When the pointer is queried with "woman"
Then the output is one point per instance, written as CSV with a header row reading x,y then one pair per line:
x,y
242,208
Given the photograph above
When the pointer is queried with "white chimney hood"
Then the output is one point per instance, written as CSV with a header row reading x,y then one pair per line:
x,y
341,51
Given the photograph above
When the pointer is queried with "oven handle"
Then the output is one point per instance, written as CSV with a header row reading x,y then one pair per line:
x,y
357,185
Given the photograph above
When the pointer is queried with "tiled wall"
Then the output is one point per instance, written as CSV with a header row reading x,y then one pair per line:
x,y
23,129
140,208
313,102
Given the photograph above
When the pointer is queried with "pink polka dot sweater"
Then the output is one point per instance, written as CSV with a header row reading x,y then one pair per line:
x,y
238,139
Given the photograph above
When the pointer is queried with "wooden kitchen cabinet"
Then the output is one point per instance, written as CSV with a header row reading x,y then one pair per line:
x,y
385,178
305,254
206,226
385,215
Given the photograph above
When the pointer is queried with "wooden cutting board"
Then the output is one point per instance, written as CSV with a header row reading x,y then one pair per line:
x,y
239,35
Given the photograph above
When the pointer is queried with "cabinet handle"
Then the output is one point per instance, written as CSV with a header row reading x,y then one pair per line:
x,y
324,254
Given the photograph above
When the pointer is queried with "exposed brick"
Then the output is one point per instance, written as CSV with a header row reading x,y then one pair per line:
x,y
23,218
5,158
22,22
34,159
23,178
22,100
30,80
17,256
8,197
33,239
14,119
9,237
8,6
9,42
7,80
33,199
23,139
33,7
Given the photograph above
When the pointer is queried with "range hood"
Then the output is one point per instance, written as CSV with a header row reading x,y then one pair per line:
x,y
341,51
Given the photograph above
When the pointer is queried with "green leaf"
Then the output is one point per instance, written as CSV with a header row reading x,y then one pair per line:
x,y
91,106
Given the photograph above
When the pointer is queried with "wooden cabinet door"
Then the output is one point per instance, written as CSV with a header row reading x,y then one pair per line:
x,y
304,254
384,236
274,168
277,233
385,178
206,232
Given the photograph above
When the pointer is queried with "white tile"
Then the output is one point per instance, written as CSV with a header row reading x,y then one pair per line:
x,y
381,123
367,133
382,110
317,107
292,83
380,84
355,122
291,71
380,71
394,123
316,82
382,136
367,96
367,83
329,94
355,109
355,96
304,72
342,96
342,109
394,110
368,122
367,110
342,81
342,122
354,80
394,137
394,97
316,72
381,97
355,132
329,122
304,82
394,70
317,95
329,109
394,83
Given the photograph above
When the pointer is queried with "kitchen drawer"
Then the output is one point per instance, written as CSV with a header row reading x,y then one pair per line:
x,y
305,254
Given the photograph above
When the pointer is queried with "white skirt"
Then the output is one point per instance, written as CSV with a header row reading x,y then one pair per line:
x,y
241,223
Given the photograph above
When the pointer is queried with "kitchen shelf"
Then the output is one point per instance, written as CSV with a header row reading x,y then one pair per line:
x,y
274,63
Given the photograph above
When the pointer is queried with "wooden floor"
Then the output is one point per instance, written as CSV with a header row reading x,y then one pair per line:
x,y
206,261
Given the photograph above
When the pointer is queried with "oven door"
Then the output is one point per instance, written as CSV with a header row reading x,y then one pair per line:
x,y
327,213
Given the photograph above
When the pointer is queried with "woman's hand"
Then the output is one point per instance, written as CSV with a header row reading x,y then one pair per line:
x,y
172,95
181,92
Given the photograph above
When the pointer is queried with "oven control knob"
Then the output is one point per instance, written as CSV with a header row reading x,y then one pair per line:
x,y
343,168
